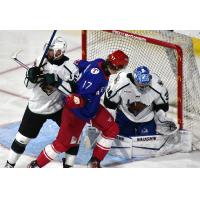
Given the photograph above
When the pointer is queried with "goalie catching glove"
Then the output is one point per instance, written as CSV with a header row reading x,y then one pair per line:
x,y
75,101
165,125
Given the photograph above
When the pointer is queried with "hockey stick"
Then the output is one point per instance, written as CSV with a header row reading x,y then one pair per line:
x,y
47,49
14,57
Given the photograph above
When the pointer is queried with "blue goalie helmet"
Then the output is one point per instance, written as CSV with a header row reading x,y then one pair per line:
x,y
142,76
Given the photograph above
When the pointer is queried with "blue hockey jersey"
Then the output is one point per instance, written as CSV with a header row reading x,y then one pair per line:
x,y
91,85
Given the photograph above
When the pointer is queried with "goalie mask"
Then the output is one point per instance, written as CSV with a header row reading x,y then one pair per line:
x,y
142,77
58,47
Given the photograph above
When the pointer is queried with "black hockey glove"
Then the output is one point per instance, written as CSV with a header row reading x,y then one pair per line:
x,y
33,74
72,85
52,80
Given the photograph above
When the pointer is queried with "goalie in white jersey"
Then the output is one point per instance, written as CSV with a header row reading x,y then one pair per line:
x,y
138,97
141,102
49,84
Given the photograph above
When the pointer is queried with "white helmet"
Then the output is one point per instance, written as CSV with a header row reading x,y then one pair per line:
x,y
58,44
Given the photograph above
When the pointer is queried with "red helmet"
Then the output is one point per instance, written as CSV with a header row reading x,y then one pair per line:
x,y
117,60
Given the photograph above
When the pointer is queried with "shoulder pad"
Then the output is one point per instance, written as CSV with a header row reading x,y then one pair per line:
x,y
121,79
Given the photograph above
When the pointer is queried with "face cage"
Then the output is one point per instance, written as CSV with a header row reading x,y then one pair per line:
x,y
57,57
54,53
142,87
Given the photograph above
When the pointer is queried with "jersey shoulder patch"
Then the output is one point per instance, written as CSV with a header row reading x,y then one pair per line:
x,y
94,70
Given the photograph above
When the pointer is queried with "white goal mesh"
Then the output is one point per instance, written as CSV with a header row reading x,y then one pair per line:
x,y
159,50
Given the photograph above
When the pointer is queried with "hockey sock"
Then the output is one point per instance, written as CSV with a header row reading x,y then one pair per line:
x,y
17,148
47,155
102,147
13,157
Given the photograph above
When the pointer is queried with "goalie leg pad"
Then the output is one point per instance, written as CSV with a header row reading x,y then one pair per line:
x,y
151,146
91,137
159,145
122,147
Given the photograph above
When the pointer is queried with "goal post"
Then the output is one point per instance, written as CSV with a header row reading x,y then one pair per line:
x,y
167,54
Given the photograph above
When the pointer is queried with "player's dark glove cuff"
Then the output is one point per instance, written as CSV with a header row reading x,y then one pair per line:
x,y
33,74
72,85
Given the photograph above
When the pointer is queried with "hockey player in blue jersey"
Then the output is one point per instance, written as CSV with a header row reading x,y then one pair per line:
x,y
84,106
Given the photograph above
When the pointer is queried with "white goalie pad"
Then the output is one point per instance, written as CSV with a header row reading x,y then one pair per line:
x,y
164,124
122,147
151,146
91,137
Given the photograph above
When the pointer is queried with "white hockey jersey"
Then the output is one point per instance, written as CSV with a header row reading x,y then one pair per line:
x,y
43,102
135,104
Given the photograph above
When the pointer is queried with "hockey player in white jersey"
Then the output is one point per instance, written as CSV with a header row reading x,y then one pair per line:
x,y
49,87
141,102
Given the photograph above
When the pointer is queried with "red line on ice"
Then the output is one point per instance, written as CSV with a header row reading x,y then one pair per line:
x,y
13,94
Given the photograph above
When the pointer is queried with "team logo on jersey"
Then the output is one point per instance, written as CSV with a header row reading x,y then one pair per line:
x,y
94,70
48,89
144,131
135,107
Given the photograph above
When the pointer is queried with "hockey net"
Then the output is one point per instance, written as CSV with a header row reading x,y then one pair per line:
x,y
168,54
